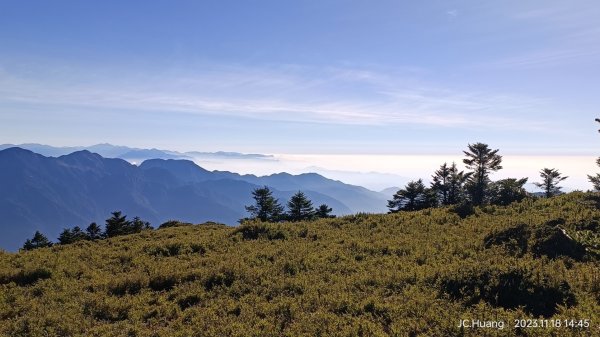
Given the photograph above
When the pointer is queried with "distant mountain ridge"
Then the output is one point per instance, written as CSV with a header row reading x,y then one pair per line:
x,y
51,193
129,153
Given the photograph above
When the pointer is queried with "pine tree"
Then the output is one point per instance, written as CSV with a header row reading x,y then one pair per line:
x,y
39,240
94,232
550,180
595,180
116,225
299,207
413,197
137,225
506,191
481,160
68,236
448,184
324,211
65,237
266,207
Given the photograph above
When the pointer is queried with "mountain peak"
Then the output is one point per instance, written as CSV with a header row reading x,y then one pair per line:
x,y
16,150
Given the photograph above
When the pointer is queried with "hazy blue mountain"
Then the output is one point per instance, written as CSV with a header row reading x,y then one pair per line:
x,y
352,198
51,193
134,154
144,154
230,155
390,191
48,194
46,150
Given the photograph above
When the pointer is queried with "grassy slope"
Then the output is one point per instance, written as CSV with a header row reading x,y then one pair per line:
x,y
374,275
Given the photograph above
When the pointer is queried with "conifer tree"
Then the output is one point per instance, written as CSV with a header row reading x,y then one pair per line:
x,y
299,207
116,225
595,180
39,240
94,232
448,184
481,160
550,180
137,225
324,211
266,207
68,236
506,191
413,197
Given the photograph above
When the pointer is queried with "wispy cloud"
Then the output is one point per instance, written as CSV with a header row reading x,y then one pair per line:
x,y
561,33
546,58
453,13
285,93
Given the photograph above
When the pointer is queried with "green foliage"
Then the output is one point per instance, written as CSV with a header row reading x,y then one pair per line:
x,y
119,225
448,184
415,196
300,208
24,277
539,295
482,161
266,207
94,232
324,212
401,274
173,223
595,179
550,180
75,234
506,191
255,231
39,240
514,239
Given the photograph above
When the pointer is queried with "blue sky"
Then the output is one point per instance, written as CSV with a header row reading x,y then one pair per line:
x,y
303,77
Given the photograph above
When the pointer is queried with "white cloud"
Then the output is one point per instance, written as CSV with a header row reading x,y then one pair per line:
x,y
285,93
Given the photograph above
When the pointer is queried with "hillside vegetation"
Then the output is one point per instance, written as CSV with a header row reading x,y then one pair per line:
x,y
401,274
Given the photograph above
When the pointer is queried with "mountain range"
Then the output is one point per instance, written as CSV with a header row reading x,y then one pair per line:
x,y
49,193
132,154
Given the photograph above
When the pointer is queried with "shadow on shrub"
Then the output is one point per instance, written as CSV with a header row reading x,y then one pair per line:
x,y
225,278
26,277
539,295
257,231
513,239
463,210
130,284
549,239
160,282
174,223
553,241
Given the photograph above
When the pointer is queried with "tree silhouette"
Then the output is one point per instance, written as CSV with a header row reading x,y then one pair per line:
x,y
266,207
448,184
506,191
93,231
595,180
481,160
68,236
116,225
137,225
550,180
39,240
299,207
324,211
413,197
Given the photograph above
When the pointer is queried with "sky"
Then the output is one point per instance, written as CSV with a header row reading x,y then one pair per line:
x,y
360,81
